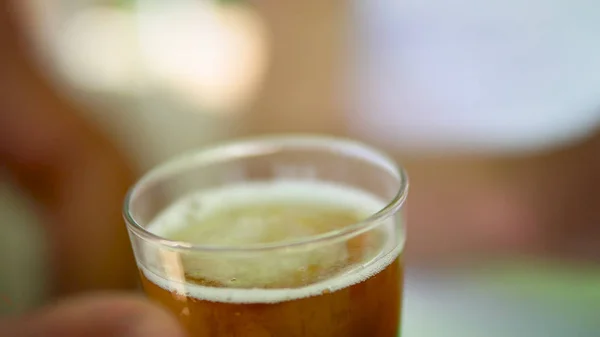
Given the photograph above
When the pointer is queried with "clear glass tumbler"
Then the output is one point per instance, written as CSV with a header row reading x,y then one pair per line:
x,y
274,236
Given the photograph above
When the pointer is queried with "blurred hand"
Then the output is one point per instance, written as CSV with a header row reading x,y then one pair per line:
x,y
77,180
76,177
94,316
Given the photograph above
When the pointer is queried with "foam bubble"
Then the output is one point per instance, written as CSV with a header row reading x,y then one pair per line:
x,y
211,201
266,296
241,275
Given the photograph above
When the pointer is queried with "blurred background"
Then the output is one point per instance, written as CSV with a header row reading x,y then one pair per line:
x,y
492,107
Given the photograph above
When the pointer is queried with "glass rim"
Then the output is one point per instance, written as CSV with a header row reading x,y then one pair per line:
x,y
252,146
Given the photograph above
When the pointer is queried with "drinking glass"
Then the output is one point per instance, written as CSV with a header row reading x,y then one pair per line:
x,y
345,280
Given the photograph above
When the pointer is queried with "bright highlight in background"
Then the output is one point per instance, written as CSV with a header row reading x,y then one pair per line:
x,y
210,55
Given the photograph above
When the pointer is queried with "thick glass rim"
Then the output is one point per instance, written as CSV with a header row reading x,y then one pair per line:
x,y
253,146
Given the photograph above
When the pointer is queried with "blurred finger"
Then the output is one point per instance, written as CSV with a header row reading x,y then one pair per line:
x,y
95,316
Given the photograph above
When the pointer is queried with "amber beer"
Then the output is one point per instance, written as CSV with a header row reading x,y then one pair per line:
x,y
300,270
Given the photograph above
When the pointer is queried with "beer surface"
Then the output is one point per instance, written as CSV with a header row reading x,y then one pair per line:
x,y
266,213
351,287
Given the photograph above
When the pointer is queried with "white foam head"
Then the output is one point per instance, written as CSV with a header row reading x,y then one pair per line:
x,y
243,276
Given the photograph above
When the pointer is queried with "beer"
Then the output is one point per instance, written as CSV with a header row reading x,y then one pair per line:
x,y
283,258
